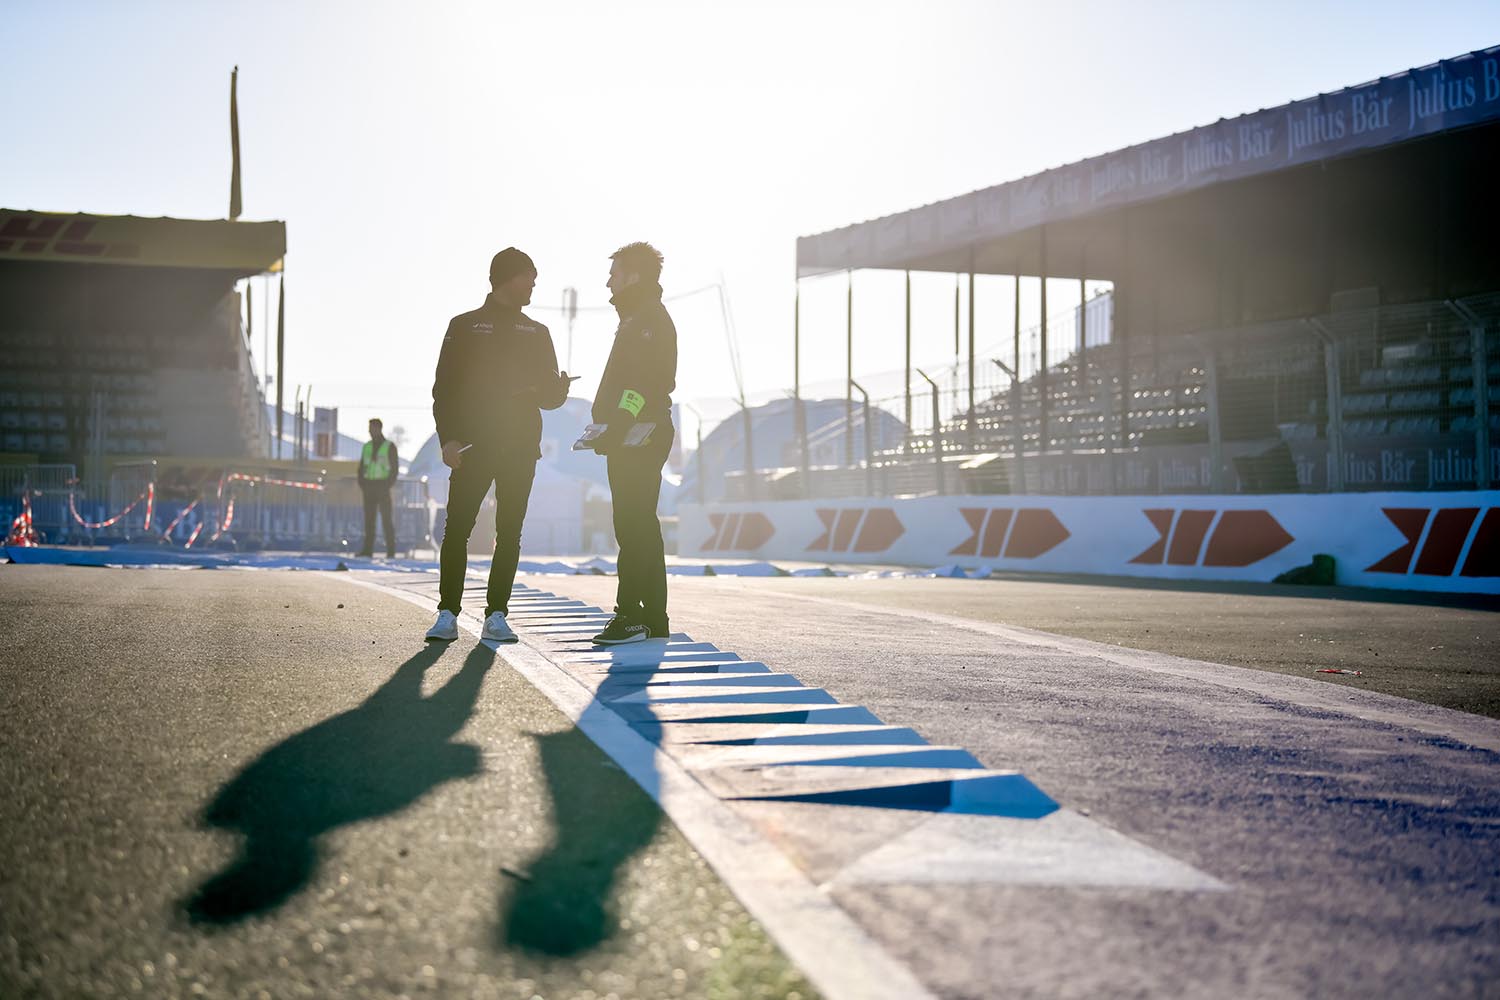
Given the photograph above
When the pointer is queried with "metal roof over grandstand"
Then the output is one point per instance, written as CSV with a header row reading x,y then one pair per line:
x,y
964,233
243,248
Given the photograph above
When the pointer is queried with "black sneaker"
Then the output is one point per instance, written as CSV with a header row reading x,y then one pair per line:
x,y
621,630
660,630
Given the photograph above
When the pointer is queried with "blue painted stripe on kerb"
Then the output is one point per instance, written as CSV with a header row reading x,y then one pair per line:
x,y
1009,795
684,693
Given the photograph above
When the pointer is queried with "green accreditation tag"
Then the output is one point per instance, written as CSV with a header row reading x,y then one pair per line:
x,y
632,402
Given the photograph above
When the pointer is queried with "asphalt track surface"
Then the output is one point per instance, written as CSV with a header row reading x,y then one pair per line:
x,y
1355,835
264,784
226,781
1439,649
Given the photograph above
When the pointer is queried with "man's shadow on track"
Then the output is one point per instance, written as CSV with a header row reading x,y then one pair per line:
x,y
562,907
371,761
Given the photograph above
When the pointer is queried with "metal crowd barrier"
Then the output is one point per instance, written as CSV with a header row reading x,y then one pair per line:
x,y
41,491
246,508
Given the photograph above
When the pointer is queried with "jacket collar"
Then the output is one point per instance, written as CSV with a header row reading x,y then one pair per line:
x,y
629,301
492,304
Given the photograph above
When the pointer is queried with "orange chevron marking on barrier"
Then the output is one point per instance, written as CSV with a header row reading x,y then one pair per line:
x,y
1409,521
1244,537
1484,551
1036,531
1239,538
738,531
857,529
1446,530
880,530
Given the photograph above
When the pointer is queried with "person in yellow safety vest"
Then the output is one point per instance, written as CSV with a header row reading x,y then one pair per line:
x,y
378,467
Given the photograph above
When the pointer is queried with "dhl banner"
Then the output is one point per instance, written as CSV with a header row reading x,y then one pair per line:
x,y
1405,541
245,247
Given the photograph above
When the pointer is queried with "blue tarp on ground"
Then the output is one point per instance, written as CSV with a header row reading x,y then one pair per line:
x,y
149,556
154,556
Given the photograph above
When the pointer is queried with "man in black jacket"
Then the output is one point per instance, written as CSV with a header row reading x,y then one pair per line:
x,y
497,370
636,388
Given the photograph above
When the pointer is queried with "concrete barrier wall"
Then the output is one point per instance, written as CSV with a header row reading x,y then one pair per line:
x,y
1406,541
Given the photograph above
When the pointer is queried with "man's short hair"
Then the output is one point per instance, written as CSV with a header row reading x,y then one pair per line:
x,y
377,421
641,258
508,263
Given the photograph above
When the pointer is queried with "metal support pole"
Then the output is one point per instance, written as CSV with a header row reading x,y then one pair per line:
x,y
280,360
749,452
1083,351
957,326
1216,482
799,414
972,426
869,444
1479,358
702,459
937,429
1015,427
1017,420
1043,390
957,333
1335,404
849,373
907,382
296,417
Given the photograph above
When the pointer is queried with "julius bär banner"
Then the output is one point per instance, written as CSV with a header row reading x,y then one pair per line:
x,y
1450,94
243,247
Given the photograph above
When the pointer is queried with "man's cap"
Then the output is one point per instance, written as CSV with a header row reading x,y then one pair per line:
x,y
507,264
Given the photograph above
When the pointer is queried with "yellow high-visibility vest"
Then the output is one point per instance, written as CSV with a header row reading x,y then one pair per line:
x,y
376,464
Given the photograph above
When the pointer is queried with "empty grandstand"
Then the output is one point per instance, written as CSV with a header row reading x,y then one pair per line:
x,y
1304,298
122,336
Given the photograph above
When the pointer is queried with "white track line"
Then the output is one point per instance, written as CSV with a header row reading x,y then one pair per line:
x,y
833,951
1474,730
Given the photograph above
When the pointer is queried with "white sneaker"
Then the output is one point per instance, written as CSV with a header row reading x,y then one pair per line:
x,y
497,629
445,629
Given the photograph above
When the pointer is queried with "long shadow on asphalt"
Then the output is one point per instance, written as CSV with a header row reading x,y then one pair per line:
x,y
374,760
562,905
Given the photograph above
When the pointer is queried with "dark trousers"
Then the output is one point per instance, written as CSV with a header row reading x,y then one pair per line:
x,y
635,488
378,498
467,486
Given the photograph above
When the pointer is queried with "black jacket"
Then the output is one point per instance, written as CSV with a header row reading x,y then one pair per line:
x,y
496,369
642,361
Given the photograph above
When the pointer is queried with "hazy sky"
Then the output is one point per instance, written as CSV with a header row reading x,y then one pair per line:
x,y
403,144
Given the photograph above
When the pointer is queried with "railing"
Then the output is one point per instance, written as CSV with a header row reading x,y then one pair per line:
x,y
1380,398
244,507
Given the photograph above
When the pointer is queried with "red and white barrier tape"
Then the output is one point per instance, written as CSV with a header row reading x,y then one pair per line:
x,y
268,481
178,519
22,531
228,520
110,522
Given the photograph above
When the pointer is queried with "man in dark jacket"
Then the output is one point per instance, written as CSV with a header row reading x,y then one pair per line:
x,y
637,388
497,370
378,468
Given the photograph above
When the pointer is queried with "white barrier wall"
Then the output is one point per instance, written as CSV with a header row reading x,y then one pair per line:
x,y
1406,541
